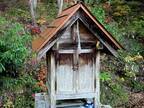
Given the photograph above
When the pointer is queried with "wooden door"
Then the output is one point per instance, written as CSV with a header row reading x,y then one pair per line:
x,y
86,74
65,74
66,77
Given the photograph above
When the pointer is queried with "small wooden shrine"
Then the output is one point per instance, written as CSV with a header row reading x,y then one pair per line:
x,y
72,45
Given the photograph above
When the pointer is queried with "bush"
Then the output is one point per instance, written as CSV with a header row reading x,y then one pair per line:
x,y
17,83
14,42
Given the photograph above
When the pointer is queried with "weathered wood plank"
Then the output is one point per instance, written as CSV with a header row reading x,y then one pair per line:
x,y
86,76
66,34
70,104
65,78
97,76
75,96
53,96
83,40
72,51
41,100
43,51
48,82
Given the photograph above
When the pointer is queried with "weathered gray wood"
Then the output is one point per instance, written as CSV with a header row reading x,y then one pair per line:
x,y
75,56
86,74
48,61
112,50
97,76
65,77
75,69
53,96
43,51
66,34
73,33
71,51
68,40
78,39
75,96
41,100
70,104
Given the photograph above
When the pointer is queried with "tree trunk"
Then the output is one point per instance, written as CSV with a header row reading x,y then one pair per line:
x,y
60,6
33,5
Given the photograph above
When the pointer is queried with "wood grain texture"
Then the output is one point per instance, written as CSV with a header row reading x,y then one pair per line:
x,y
65,75
53,96
86,74
97,76
75,96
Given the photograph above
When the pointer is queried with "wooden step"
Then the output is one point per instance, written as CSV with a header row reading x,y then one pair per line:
x,y
70,104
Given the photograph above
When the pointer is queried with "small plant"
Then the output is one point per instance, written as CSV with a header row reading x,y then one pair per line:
x,y
42,78
8,104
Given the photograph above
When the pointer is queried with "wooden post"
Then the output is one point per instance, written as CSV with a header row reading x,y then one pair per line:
x,y
53,97
97,97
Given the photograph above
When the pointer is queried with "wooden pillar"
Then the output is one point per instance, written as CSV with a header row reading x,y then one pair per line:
x,y
97,76
53,95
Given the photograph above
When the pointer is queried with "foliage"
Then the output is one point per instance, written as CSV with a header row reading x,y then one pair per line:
x,y
89,1
18,14
17,83
99,12
21,89
13,43
131,23
24,100
120,8
112,89
118,82
42,77
115,80
8,104
47,11
136,27
105,76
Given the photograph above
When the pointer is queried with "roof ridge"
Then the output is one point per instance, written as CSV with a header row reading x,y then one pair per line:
x,y
60,21
78,3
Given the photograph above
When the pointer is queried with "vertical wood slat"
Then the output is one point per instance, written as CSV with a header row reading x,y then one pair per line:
x,y
65,75
75,57
48,61
97,75
75,71
53,96
85,75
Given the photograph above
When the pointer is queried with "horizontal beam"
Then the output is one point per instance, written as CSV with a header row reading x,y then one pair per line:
x,y
70,41
65,105
74,96
72,51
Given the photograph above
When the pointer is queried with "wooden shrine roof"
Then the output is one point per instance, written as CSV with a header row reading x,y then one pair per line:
x,y
61,20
